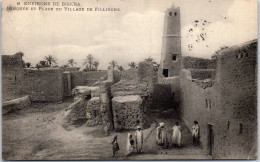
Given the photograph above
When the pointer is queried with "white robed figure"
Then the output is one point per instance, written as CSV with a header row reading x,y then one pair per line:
x,y
176,134
139,139
129,144
161,136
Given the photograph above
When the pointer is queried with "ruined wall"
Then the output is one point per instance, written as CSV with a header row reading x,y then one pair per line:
x,y
137,83
198,63
127,111
229,104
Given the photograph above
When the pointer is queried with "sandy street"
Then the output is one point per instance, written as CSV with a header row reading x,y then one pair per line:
x,y
37,134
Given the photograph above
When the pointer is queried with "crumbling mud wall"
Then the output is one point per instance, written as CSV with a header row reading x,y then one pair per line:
x,y
137,85
227,106
127,111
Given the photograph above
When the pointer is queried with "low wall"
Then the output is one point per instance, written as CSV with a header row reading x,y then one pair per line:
x,y
15,104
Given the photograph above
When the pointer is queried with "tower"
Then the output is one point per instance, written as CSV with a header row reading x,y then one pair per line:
x,y
170,64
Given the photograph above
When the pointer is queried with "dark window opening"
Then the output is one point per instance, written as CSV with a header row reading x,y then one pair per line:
x,y
165,72
175,13
240,128
95,112
174,57
170,13
228,125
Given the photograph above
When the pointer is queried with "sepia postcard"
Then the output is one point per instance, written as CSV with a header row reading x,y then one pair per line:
x,y
129,79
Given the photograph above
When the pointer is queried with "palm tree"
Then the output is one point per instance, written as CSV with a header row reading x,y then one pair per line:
x,y
120,68
132,65
43,63
50,60
113,64
71,62
149,59
88,62
96,63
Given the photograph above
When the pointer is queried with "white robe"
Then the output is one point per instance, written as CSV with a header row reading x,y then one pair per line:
x,y
139,139
176,135
129,147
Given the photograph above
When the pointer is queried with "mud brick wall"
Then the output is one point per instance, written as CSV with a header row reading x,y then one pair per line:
x,y
41,85
174,83
229,105
11,62
198,63
93,113
11,67
162,97
106,108
202,74
127,111
130,74
76,113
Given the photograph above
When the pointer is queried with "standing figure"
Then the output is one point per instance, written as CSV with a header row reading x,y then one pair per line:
x,y
130,144
196,134
176,135
161,136
139,139
115,146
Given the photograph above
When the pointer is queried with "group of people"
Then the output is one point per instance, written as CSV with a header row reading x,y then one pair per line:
x,y
131,144
136,142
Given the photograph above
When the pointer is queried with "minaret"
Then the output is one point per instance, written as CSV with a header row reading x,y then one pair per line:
x,y
171,44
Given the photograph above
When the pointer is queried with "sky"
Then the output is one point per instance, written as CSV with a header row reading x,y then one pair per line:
x,y
131,34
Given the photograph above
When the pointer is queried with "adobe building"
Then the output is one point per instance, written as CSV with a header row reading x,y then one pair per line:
x,y
220,95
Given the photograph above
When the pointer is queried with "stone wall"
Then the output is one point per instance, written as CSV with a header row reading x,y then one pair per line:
x,y
228,105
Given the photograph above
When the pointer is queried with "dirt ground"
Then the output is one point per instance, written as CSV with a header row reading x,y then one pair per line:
x,y
36,133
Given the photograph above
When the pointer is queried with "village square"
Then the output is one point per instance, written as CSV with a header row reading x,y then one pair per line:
x,y
178,107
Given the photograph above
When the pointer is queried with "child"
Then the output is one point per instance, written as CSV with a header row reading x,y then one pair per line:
x,y
115,146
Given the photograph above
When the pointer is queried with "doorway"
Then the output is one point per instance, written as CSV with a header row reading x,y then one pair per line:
x,y
165,72
210,139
